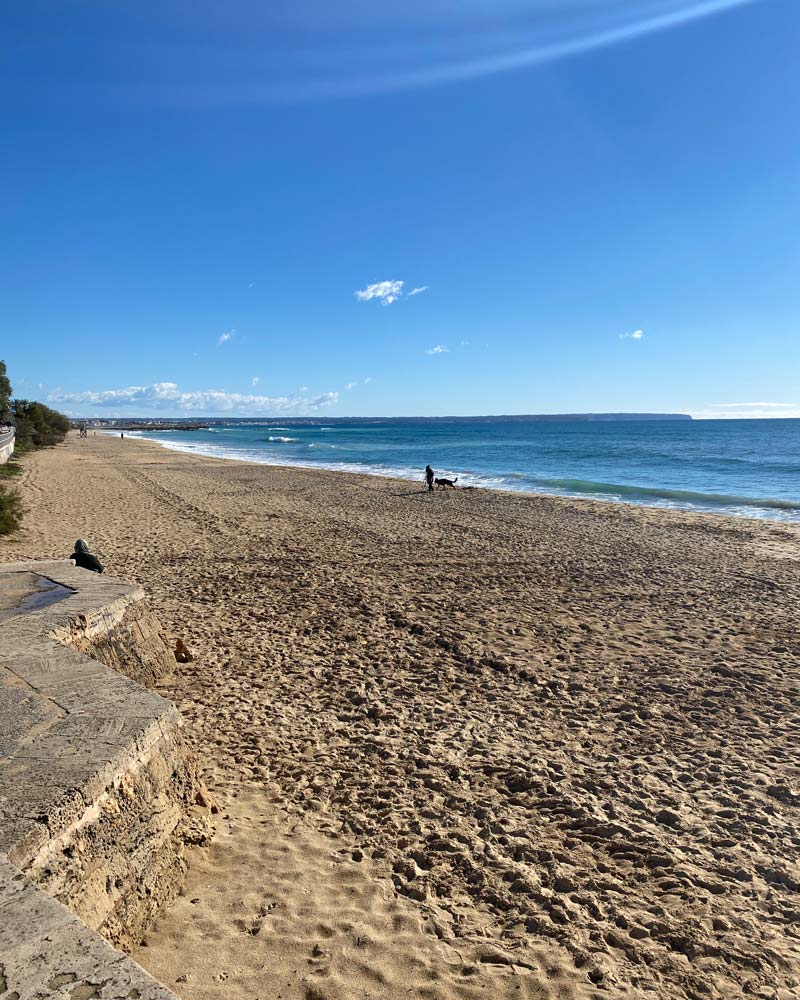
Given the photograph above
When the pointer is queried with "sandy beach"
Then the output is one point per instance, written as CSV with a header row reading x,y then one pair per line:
x,y
466,744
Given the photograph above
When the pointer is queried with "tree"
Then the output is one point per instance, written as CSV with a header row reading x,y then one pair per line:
x,y
5,395
37,425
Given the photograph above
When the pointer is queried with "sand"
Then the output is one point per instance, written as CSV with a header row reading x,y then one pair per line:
x,y
466,744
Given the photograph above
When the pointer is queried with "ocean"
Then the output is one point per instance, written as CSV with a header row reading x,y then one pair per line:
x,y
749,468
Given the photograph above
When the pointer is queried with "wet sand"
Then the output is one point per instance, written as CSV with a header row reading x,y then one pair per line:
x,y
467,744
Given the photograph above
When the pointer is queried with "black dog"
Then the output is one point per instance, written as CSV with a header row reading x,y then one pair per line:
x,y
444,483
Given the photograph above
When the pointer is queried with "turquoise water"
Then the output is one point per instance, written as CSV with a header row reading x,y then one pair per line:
x,y
749,468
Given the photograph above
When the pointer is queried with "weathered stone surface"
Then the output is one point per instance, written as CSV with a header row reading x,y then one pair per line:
x,y
133,646
22,712
25,591
45,951
96,786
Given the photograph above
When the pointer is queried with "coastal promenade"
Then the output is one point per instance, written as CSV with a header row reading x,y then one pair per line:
x,y
96,784
466,744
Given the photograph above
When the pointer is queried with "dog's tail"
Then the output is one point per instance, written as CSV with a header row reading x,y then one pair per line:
x,y
456,479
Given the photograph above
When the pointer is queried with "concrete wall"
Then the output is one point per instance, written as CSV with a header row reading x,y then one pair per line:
x,y
97,787
47,953
6,446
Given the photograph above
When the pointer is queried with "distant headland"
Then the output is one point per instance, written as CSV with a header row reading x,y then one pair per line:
x,y
184,424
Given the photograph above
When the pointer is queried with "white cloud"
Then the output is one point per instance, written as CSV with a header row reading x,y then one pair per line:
x,y
225,337
251,284
255,380
418,291
168,397
465,343
386,292
740,406
367,380
636,335
744,411
351,385
439,349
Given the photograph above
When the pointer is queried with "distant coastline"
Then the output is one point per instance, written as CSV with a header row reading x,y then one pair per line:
x,y
184,424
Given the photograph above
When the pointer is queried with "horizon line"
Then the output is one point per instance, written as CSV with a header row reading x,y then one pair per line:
x,y
200,418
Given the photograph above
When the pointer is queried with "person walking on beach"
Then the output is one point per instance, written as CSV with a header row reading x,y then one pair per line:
x,y
429,478
83,557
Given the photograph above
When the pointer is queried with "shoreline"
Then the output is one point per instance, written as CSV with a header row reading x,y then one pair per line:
x,y
514,745
667,506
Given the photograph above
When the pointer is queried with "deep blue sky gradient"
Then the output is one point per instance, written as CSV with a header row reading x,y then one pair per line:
x,y
151,173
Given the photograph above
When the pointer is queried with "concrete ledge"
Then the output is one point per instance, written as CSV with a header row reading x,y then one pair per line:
x,y
47,952
96,785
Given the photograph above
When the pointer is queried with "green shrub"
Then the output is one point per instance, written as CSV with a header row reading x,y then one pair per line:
x,y
37,425
9,470
10,510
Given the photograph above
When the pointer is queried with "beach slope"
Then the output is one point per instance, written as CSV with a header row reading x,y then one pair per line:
x,y
462,744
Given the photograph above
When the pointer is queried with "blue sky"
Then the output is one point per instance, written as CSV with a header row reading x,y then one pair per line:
x,y
597,203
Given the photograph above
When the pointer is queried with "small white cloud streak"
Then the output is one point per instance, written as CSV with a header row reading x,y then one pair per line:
x,y
225,337
367,380
460,68
386,292
167,396
741,406
418,291
351,385
636,335
439,349
255,380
